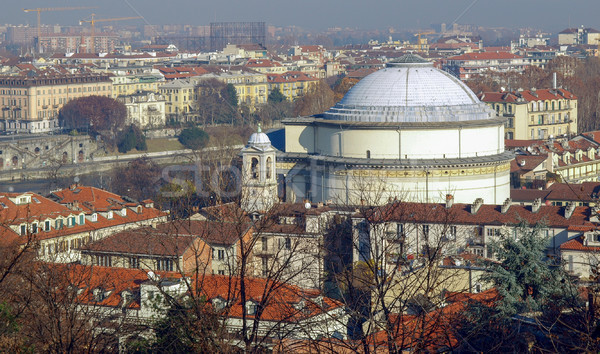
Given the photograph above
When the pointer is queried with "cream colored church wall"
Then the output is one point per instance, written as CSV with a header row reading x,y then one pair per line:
x,y
493,188
408,143
299,138
482,141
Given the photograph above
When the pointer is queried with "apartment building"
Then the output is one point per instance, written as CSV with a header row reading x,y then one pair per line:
x,y
125,85
292,84
252,88
535,113
466,65
181,98
30,102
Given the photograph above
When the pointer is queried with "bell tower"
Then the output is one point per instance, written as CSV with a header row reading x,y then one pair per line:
x,y
259,180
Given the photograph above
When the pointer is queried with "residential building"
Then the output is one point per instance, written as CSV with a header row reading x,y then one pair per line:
x,y
125,85
73,43
130,296
252,88
536,113
578,36
187,246
58,227
466,65
292,84
30,101
266,66
581,254
145,109
575,161
251,51
181,98
405,232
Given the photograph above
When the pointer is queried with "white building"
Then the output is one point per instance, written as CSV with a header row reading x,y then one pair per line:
x,y
409,131
145,109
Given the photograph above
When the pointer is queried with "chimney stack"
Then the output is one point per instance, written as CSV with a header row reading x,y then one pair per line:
x,y
449,201
506,205
569,210
554,86
476,205
537,204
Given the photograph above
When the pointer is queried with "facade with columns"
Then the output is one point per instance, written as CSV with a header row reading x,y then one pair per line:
x,y
409,132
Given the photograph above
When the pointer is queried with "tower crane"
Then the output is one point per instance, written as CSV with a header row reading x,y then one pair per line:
x,y
39,10
420,41
93,21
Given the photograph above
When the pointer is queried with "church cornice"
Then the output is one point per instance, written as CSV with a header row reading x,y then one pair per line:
x,y
408,164
317,121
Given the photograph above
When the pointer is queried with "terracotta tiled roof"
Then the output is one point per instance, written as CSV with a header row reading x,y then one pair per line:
x,y
144,241
213,232
89,199
576,244
283,304
487,214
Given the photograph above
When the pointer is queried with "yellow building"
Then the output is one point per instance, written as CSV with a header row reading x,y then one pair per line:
x,y
292,84
130,84
252,88
181,99
31,102
535,114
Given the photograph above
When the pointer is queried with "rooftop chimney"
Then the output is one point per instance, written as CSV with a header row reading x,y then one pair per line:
x,y
569,210
506,205
554,86
449,201
476,205
537,204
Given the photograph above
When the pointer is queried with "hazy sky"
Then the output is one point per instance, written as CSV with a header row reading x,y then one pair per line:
x,y
547,14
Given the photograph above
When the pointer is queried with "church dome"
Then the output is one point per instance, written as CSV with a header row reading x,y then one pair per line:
x,y
410,90
259,140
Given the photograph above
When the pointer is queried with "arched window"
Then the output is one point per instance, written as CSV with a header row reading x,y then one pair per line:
x,y
269,167
254,167
368,154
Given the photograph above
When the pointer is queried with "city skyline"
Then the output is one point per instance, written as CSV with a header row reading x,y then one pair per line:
x,y
554,15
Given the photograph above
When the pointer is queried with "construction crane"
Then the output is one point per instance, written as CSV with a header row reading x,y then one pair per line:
x,y
39,10
420,41
93,21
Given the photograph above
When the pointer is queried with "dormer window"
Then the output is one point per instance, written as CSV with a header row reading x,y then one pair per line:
x,y
109,215
23,230
81,219
47,225
94,217
251,307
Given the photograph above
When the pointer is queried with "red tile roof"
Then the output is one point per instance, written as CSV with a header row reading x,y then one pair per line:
x,y
576,244
487,214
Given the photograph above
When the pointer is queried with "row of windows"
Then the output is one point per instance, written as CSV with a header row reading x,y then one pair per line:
x,y
64,245
46,225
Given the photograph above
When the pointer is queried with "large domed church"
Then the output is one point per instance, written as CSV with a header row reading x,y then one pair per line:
x,y
408,131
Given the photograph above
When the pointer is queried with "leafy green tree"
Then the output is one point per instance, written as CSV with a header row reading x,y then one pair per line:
x,y
193,138
276,96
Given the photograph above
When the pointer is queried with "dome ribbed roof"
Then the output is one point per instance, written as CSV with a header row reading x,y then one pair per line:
x,y
409,90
